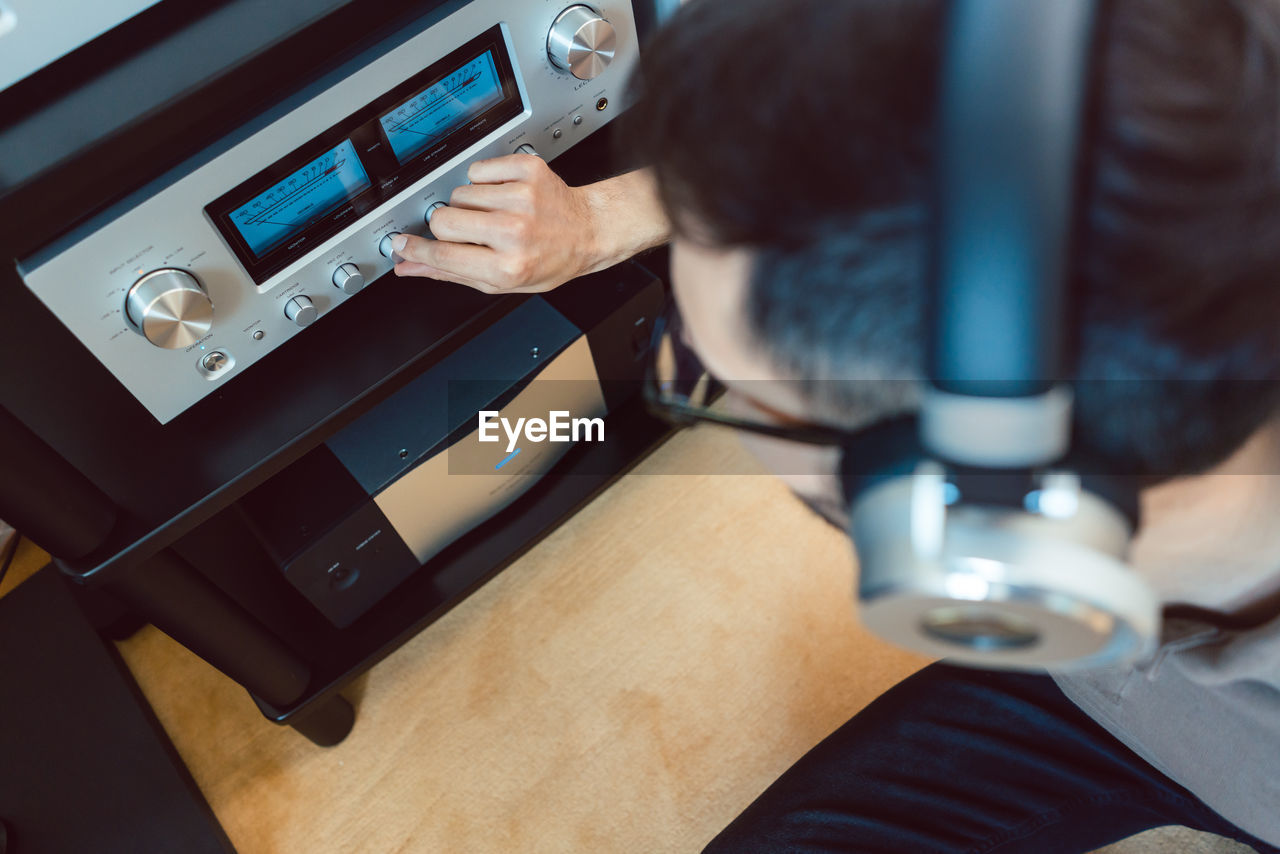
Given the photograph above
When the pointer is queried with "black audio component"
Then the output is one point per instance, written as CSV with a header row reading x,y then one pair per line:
x,y
355,517
173,353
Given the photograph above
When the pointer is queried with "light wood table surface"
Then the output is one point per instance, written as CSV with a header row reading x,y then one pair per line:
x,y
629,685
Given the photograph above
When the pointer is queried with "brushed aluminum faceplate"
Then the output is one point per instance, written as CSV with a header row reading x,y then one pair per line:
x,y
85,285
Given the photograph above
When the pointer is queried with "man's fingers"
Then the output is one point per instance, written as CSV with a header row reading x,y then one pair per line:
x,y
497,229
414,269
514,196
456,262
512,167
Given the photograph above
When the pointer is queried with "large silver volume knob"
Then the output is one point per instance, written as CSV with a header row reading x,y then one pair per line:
x,y
581,42
169,308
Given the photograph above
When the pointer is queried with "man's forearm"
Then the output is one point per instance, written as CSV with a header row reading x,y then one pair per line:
x,y
627,217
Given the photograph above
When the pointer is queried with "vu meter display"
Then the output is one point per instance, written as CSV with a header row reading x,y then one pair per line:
x,y
368,157
272,217
443,107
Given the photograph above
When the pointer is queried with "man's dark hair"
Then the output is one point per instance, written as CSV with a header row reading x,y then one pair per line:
x,y
805,130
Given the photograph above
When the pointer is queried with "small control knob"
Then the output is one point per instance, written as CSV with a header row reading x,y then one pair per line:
x,y
385,245
348,278
581,42
528,149
170,308
301,310
432,208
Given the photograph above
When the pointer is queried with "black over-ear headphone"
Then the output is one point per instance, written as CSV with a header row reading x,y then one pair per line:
x,y
980,536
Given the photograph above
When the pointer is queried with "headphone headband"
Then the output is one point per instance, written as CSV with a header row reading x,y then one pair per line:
x,y
1014,84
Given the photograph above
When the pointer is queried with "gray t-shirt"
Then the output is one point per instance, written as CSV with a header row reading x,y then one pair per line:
x,y
1206,709
1206,712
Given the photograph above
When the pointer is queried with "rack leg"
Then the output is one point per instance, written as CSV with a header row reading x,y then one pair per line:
x,y
328,723
105,612
182,603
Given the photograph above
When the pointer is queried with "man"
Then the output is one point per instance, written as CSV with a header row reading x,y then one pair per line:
x,y
791,145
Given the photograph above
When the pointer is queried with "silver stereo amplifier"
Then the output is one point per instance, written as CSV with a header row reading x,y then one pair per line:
x,y
193,284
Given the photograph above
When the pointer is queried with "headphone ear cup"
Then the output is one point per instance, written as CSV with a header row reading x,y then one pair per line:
x,y
1008,583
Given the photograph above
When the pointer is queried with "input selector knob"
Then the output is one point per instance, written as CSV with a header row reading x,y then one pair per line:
x,y
170,308
581,42
348,278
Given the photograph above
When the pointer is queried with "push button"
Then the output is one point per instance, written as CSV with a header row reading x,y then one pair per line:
x,y
215,365
215,361
342,577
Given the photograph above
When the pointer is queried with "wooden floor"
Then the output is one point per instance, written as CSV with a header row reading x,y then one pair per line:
x,y
627,686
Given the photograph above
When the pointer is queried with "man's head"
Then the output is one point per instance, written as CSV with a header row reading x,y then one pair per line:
x,y
792,144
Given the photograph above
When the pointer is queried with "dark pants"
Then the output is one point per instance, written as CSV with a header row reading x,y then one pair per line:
x,y
960,760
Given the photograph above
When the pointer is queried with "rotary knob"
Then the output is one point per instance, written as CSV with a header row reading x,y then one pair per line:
x,y
348,278
386,246
581,42
431,211
301,310
170,308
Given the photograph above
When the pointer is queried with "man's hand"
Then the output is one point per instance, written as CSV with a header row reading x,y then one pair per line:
x,y
518,228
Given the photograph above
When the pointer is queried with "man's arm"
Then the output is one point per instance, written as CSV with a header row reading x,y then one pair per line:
x,y
518,228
